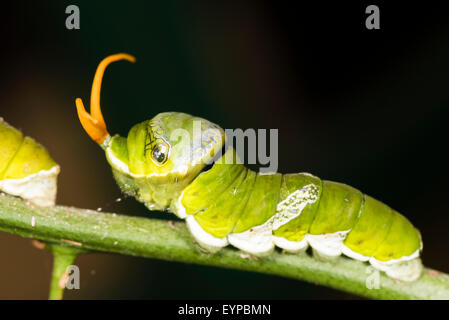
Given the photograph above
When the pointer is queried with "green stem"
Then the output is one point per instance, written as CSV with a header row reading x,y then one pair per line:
x,y
106,232
63,257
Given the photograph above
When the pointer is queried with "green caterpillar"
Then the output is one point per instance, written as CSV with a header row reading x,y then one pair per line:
x,y
162,164
26,168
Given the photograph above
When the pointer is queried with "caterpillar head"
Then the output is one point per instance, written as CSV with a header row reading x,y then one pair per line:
x,y
159,157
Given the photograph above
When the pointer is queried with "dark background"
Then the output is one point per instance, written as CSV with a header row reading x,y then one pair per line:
x,y
364,107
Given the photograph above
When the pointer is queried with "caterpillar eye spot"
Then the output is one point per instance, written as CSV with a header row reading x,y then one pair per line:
x,y
160,154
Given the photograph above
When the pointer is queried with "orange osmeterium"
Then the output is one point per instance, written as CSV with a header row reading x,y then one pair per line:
x,y
93,122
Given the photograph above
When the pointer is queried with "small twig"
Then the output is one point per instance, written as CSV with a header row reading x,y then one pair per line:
x,y
63,257
114,233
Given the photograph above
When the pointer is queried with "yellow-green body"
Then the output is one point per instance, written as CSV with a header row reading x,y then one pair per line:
x,y
228,203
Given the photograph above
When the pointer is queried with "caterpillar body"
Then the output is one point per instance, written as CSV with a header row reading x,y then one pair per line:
x,y
161,164
26,168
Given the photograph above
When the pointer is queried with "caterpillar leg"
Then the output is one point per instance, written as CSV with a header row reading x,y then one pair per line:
x,y
207,241
257,241
291,246
327,246
38,188
405,270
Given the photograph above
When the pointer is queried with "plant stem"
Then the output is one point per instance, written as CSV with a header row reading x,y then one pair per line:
x,y
63,257
151,238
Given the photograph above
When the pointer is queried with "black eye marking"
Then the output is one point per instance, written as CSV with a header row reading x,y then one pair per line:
x,y
155,143
160,153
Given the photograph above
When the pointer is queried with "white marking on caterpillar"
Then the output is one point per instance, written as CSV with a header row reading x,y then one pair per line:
x,y
123,167
293,205
352,254
178,208
120,165
391,262
329,244
39,188
291,246
205,239
407,270
256,240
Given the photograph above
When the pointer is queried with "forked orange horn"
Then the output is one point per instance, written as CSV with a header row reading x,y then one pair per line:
x,y
93,122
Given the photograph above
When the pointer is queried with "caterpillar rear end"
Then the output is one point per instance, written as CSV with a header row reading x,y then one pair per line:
x,y
26,168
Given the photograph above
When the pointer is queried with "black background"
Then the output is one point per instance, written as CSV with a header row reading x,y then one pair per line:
x,y
365,107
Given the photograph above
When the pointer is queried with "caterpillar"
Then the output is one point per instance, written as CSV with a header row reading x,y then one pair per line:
x,y
26,168
162,165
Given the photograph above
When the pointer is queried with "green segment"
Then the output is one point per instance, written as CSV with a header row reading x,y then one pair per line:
x,y
297,228
338,210
221,216
402,240
11,139
137,159
371,229
119,148
210,184
261,205
30,158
